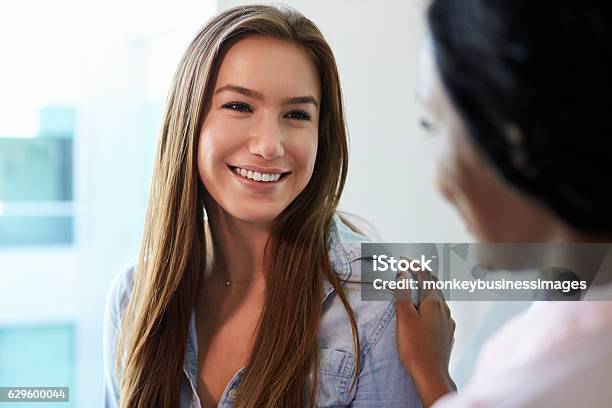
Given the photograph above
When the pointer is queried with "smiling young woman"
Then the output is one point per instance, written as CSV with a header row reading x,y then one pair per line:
x,y
241,295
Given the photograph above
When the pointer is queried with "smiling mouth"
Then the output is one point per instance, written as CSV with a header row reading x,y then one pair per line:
x,y
259,176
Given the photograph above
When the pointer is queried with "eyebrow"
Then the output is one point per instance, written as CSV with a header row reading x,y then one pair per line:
x,y
301,99
296,100
240,90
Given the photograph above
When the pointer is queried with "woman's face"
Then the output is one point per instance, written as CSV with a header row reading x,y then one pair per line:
x,y
258,143
492,210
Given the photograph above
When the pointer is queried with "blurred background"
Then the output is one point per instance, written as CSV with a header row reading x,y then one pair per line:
x,y
82,89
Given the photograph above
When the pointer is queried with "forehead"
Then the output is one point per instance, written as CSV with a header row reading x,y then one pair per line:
x,y
270,66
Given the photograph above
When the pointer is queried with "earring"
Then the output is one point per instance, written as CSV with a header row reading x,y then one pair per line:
x,y
518,154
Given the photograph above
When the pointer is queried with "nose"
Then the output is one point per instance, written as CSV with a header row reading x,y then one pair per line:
x,y
267,138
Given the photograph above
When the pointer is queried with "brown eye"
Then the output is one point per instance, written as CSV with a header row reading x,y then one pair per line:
x,y
238,107
299,115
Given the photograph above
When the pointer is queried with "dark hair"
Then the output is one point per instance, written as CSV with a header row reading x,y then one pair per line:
x,y
531,81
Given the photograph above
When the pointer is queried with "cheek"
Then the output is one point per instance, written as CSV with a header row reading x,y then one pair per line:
x,y
206,153
217,141
474,190
304,153
466,196
450,172
460,181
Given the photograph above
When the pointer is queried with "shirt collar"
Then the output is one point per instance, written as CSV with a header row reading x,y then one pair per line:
x,y
340,265
337,256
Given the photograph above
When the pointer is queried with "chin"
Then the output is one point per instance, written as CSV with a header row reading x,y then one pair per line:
x,y
255,216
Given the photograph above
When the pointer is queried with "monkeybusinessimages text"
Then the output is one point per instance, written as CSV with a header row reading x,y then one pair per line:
x,y
384,263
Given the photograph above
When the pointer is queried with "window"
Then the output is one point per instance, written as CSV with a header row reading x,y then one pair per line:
x,y
38,356
36,180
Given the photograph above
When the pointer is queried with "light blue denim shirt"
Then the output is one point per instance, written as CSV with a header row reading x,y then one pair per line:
x,y
383,381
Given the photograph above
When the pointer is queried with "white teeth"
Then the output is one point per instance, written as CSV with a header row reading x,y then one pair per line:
x,y
254,175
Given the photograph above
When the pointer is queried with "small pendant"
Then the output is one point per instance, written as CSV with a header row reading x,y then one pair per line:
x,y
227,283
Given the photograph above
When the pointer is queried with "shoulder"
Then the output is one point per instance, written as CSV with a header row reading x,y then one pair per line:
x,y
119,293
347,238
574,373
375,318
382,378
117,298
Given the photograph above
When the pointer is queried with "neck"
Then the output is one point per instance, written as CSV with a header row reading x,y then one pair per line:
x,y
238,246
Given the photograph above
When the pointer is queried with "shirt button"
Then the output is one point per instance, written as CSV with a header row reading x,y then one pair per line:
x,y
232,393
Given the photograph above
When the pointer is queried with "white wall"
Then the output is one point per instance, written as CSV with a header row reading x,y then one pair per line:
x,y
377,44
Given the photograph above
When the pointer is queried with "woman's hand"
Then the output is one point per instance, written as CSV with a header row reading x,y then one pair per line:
x,y
425,338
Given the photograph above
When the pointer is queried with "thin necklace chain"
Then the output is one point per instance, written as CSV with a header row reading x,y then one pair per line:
x,y
231,282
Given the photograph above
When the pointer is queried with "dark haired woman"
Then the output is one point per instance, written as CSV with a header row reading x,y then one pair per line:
x,y
519,90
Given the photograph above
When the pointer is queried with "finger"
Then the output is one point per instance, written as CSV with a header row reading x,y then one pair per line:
x,y
448,310
404,294
437,294
435,304
438,289
443,302
405,310
425,290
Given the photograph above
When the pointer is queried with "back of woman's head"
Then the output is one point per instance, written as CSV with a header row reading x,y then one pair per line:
x,y
531,80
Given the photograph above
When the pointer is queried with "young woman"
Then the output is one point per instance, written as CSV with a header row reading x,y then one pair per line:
x,y
517,91
239,297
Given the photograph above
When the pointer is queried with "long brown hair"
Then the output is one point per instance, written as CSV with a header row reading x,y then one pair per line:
x,y
173,253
